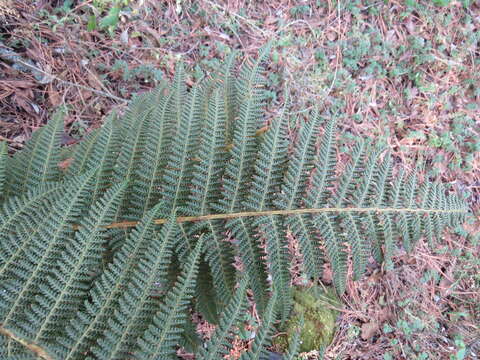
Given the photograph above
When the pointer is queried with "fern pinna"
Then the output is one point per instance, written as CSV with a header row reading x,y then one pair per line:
x,y
181,205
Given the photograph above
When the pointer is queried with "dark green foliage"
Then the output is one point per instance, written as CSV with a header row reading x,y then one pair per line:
x,y
3,166
264,333
221,340
38,162
79,287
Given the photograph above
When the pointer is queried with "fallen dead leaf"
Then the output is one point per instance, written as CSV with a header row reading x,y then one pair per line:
x,y
369,329
63,165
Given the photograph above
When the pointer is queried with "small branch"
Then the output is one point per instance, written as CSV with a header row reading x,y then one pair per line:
x,y
182,219
37,350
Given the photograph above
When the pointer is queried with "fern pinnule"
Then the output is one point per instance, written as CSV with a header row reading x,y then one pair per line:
x,y
146,187
264,333
270,164
292,192
251,100
208,170
274,230
83,153
178,172
351,174
178,94
136,305
220,342
361,196
229,93
334,247
104,155
300,165
316,196
38,162
220,257
388,238
360,246
251,253
159,340
205,296
410,193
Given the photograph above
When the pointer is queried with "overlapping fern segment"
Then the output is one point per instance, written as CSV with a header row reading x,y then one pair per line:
x,y
182,204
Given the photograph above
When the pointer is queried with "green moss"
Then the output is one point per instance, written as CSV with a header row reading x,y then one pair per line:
x,y
313,305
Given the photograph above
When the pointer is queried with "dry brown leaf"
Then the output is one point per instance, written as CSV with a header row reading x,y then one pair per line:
x,y
63,165
369,329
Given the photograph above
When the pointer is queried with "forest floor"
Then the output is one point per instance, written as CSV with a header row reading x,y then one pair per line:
x,y
406,73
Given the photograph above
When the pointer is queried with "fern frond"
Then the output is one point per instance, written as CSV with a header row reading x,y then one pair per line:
x,y
64,290
3,166
159,340
264,333
82,259
220,257
274,231
38,161
83,153
252,258
333,240
208,170
239,169
89,322
146,189
26,274
229,93
18,210
136,306
220,342
178,172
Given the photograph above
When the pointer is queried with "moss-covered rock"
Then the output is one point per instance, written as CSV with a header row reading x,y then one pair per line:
x,y
313,305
